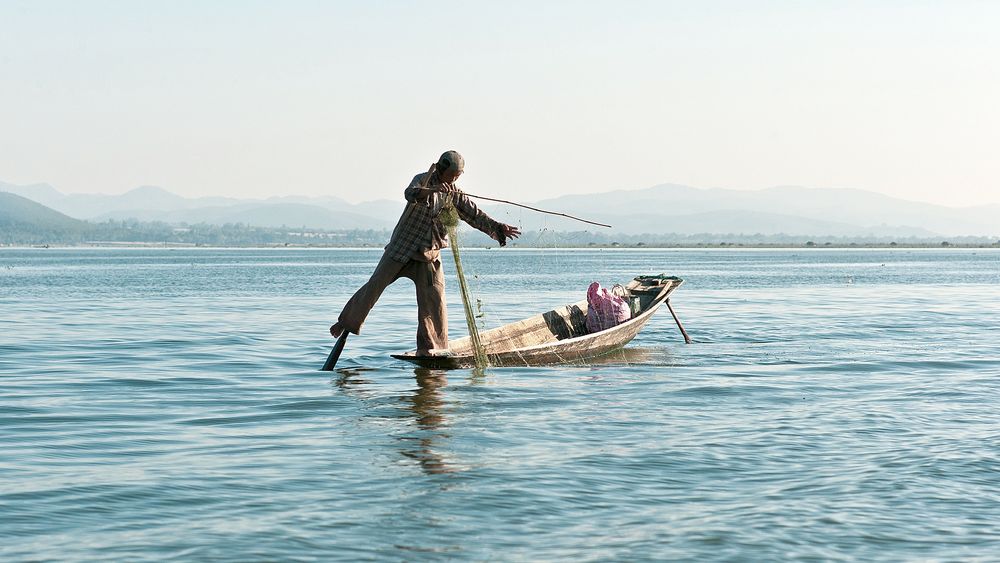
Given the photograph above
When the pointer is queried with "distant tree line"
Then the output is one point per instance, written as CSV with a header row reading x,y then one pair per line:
x,y
239,234
578,239
202,234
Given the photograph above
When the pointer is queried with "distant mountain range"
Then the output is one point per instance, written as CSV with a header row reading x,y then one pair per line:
x,y
667,208
784,209
151,203
25,221
20,212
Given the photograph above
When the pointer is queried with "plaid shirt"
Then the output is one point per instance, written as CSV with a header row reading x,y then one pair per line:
x,y
419,234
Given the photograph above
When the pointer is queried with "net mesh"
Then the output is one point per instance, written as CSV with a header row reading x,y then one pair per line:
x,y
449,218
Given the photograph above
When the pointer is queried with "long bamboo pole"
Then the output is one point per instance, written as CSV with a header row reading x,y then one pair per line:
x,y
479,352
529,207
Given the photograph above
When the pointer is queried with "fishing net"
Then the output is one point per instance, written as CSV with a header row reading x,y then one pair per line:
x,y
449,218
546,238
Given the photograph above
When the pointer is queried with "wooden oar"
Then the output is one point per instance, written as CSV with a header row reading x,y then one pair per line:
x,y
687,339
331,361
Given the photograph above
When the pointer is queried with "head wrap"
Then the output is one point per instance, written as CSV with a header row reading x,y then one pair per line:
x,y
450,161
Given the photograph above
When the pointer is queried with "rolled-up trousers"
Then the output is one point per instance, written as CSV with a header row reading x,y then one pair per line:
x,y
432,314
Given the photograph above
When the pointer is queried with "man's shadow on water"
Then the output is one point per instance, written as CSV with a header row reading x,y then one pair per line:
x,y
425,404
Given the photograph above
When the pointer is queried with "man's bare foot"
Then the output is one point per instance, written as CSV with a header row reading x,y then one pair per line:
x,y
336,330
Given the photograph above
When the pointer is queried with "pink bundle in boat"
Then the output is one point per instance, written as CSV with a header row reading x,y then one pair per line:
x,y
604,309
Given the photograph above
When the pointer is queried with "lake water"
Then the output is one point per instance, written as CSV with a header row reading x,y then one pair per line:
x,y
162,404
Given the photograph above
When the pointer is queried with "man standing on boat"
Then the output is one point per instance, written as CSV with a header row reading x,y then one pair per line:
x,y
414,252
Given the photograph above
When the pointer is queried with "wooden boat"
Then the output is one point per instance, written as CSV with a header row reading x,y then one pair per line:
x,y
558,336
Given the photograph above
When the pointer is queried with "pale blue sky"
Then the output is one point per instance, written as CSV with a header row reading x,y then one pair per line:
x,y
350,99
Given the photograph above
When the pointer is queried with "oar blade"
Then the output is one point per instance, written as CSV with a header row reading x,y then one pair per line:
x,y
331,360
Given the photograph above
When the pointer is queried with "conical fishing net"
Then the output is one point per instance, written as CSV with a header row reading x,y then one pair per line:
x,y
449,218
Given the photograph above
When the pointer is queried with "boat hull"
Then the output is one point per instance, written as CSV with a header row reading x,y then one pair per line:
x,y
555,337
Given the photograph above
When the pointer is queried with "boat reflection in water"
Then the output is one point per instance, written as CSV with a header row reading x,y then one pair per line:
x,y
417,417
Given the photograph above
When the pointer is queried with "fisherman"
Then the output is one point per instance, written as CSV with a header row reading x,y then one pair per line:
x,y
414,252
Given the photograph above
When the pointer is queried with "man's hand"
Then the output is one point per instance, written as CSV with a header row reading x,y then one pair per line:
x,y
507,232
423,192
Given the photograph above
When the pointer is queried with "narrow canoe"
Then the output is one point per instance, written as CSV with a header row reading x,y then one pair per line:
x,y
558,336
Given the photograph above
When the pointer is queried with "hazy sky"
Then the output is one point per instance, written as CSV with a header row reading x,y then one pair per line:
x,y
351,99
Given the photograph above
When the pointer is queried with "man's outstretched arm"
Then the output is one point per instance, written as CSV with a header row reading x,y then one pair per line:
x,y
471,214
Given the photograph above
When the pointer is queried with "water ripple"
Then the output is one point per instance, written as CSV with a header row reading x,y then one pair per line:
x,y
166,405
